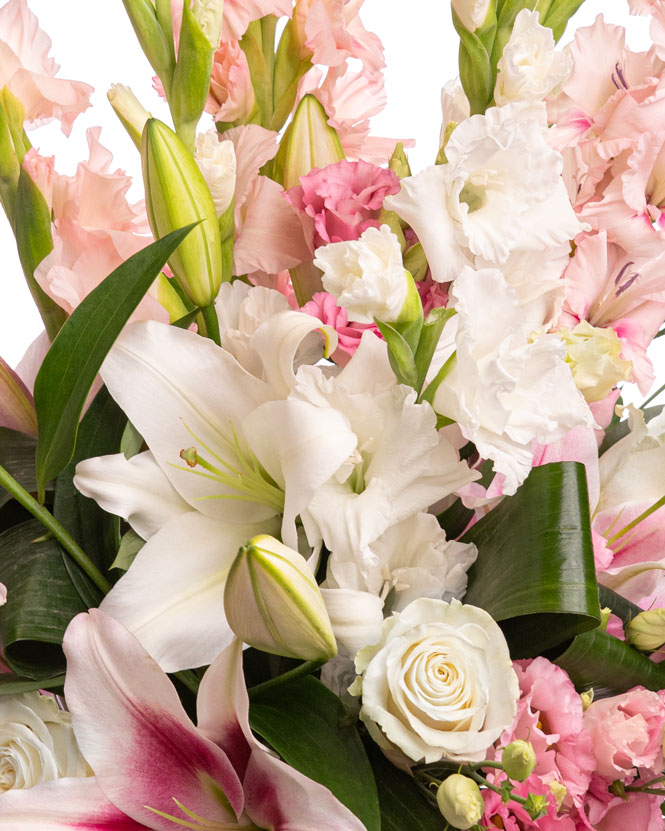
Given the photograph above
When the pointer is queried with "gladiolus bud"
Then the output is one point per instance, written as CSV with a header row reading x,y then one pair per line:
x,y
460,801
177,195
129,110
151,36
209,15
309,142
518,760
646,631
473,13
273,602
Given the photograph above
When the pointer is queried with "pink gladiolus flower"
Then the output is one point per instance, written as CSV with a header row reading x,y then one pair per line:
x,y
29,73
238,14
154,769
231,96
324,307
338,202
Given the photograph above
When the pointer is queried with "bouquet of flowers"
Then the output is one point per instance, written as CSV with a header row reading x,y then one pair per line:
x,y
320,506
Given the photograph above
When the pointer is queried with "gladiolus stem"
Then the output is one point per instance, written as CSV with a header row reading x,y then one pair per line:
x,y
53,526
211,321
306,668
658,391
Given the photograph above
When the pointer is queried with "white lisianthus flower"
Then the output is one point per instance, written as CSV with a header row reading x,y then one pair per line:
x,y
37,743
472,13
217,162
531,68
439,684
500,192
367,276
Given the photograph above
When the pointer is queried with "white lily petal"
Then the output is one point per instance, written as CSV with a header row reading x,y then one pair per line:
x,y
356,618
135,489
172,597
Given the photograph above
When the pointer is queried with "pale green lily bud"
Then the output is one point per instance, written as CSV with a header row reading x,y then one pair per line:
x,y
129,110
460,801
176,196
209,15
473,14
273,602
309,142
518,760
646,631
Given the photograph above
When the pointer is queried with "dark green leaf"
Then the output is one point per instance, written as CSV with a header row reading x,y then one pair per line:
x,y
619,605
130,545
455,519
17,455
535,569
308,726
41,600
73,361
403,806
13,685
596,659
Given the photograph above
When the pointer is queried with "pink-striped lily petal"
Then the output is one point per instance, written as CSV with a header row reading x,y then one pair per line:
x,y
135,734
17,409
64,805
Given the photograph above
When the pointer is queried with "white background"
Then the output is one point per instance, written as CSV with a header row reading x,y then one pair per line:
x,y
94,42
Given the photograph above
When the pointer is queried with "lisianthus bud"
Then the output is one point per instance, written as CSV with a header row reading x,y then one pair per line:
x,y
473,13
460,801
646,631
217,161
594,357
129,110
587,699
518,760
309,142
367,276
209,15
177,195
559,790
273,602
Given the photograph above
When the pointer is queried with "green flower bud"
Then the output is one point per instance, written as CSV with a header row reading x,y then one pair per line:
x,y
460,801
646,631
273,602
177,195
129,110
151,36
518,760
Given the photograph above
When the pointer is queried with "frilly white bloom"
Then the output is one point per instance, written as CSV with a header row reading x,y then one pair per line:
x,y
439,684
455,106
37,743
531,68
500,192
217,162
594,357
273,602
460,801
472,13
367,276
505,391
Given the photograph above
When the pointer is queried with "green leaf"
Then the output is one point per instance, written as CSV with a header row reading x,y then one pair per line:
x,y
17,455
403,806
191,77
475,68
41,600
560,14
130,545
429,338
596,659
400,355
73,361
308,726
619,605
535,570
13,684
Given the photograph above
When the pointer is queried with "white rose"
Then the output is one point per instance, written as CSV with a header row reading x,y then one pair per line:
x,y
37,742
217,162
367,275
439,684
530,68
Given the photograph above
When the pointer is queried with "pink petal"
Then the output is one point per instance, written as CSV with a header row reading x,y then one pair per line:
x,y
17,409
134,732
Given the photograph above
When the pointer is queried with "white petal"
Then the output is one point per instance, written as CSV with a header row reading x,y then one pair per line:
x,y
356,617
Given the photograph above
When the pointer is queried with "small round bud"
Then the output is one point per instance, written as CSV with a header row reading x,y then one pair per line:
x,y
518,760
646,631
460,801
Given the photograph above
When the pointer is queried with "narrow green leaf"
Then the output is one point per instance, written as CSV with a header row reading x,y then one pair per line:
x,y
308,726
535,570
400,355
619,605
73,361
560,14
130,545
429,338
13,684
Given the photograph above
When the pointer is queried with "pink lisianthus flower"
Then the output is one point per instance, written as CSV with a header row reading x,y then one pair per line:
x,y
513,817
231,96
338,202
324,307
433,295
627,733
29,73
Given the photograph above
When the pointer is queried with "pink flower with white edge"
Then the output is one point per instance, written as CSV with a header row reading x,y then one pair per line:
x,y
154,768
29,73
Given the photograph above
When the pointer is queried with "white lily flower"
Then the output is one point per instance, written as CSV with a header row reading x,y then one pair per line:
x,y
500,192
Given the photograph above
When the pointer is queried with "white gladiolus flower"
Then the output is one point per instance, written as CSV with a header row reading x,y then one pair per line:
x,y
500,193
367,275
531,68
472,13
37,743
217,162
439,684
455,106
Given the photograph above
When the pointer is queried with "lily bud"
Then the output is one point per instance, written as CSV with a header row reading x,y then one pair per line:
x,y
177,195
518,760
129,110
209,15
646,631
460,801
473,13
309,142
273,602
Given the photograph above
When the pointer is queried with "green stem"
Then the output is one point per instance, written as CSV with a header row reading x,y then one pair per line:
x,y
261,690
47,519
651,397
636,521
482,781
209,314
